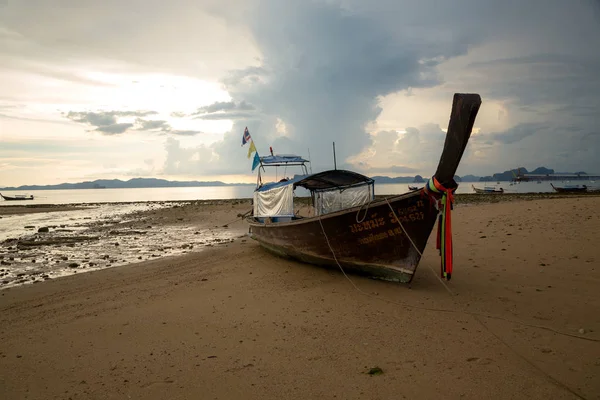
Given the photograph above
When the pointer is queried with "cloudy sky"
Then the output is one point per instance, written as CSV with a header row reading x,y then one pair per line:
x,y
128,88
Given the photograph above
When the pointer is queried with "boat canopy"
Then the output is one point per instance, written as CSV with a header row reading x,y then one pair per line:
x,y
333,179
283,159
331,190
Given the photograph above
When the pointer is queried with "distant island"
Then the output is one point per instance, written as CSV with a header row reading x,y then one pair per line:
x,y
505,176
509,175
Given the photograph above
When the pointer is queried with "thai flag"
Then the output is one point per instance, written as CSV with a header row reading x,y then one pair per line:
x,y
246,137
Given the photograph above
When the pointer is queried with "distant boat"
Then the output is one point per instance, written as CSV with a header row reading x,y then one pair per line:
x,y
488,190
570,188
16,197
414,187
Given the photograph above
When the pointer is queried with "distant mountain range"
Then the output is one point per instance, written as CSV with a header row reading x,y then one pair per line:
x,y
505,176
158,183
509,175
119,184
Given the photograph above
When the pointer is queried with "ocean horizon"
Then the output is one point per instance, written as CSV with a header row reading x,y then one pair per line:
x,y
131,195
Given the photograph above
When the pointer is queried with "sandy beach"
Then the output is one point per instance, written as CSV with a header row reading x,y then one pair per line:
x,y
227,320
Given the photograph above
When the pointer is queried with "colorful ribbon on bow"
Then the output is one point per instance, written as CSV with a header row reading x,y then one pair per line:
x,y
445,198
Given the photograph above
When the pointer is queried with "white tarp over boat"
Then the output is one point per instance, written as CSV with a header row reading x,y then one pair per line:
x,y
278,201
339,199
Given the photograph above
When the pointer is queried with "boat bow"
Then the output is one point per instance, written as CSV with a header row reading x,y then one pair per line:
x,y
442,185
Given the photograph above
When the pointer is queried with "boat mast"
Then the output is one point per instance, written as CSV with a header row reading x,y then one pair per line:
x,y
334,162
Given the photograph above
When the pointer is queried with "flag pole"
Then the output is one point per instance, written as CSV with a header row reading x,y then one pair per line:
x,y
255,149
334,161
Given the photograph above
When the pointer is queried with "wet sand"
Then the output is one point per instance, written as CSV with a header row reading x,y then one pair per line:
x,y
518,320
40,246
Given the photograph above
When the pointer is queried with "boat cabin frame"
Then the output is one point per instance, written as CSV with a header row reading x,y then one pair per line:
x,y
286,160
330,190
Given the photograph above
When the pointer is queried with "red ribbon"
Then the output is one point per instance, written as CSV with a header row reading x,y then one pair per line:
x,y
444,236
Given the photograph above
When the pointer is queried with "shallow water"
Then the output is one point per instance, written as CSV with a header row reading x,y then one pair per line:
x,y
12,226
86,196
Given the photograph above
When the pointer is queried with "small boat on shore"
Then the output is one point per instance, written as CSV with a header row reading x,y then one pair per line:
x,y
16,197
487,190
346,227
569,188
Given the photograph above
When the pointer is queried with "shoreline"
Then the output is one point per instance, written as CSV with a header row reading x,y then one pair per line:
x,y
78,242
467,198
18,209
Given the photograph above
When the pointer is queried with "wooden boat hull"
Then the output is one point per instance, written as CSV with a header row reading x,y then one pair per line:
x,y
376,246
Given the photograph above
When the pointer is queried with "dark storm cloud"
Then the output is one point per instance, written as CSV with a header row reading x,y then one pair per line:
x,y
324,67
516,133
545,79
323,70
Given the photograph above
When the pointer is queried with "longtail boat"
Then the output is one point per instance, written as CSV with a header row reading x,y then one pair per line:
x,y
414,188
16,197
349,229
569,188
487,190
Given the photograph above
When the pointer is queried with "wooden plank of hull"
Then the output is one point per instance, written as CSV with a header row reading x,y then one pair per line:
x,y
375,246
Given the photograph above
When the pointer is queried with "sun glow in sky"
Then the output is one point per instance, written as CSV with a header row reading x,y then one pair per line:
x,y
168,93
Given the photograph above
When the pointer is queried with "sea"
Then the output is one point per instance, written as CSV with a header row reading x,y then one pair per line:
x,y
133,195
